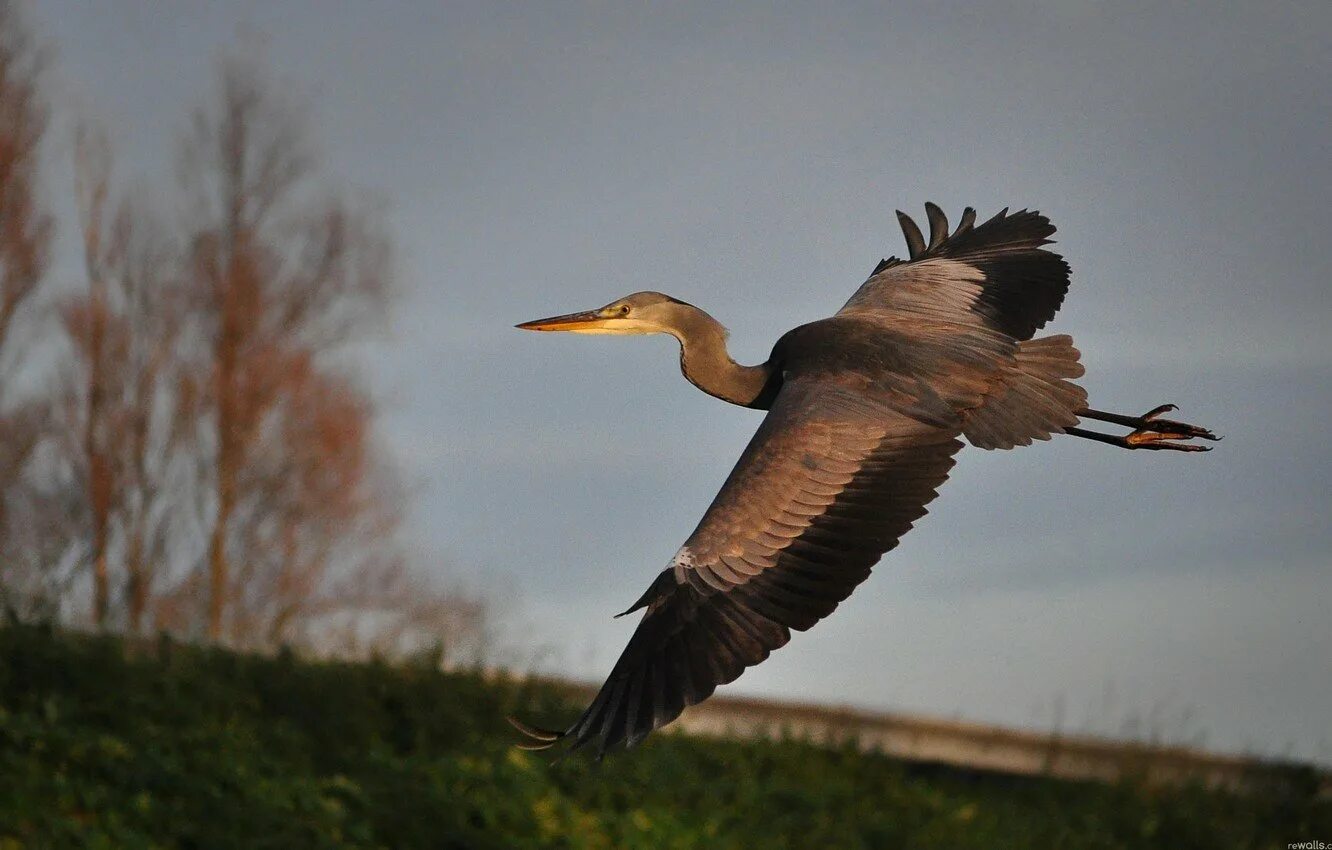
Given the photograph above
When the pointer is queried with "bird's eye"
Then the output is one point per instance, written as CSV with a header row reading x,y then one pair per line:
x,y
624,309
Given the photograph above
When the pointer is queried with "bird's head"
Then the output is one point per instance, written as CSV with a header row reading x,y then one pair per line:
x,y
640,313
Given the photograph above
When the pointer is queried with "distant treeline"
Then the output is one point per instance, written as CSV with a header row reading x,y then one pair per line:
x,y
183,444
191,747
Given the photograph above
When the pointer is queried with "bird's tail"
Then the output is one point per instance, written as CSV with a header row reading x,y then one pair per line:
x,y
1033,400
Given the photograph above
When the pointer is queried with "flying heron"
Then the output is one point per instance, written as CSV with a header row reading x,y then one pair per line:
x,y
865,412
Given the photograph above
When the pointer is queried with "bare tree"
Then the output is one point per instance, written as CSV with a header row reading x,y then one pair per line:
x,y
284,271
25,229
201,464
86,321
131,389
157,465
324,570
25,234
319,510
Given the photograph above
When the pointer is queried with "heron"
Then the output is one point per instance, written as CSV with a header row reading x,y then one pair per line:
x,y
866,410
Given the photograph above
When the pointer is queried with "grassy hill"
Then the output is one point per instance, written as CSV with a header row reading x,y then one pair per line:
x,y
203,748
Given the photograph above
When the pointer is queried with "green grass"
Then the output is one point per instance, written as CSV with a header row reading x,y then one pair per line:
x,y
205,748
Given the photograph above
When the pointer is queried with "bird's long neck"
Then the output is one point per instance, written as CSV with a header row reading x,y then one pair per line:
x,y
706,363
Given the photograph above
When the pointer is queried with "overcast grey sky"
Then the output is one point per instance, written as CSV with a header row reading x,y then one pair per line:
x,y
540,158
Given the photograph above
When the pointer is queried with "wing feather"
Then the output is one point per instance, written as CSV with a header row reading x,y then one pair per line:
x,y
915,241
768,557
1020,285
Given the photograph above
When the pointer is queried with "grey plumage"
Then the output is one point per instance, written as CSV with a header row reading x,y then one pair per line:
x,y
866,410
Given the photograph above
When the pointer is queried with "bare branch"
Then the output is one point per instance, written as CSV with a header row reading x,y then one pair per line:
x,y
25,229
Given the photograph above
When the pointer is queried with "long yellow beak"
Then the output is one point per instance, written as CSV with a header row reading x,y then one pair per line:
x,y
585,321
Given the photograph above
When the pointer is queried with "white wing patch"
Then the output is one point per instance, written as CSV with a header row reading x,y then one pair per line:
x,y
683,560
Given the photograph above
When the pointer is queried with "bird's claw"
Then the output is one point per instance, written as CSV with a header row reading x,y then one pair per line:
x,y
1152,432
1158,440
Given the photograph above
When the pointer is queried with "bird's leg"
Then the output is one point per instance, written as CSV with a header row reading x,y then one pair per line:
x,y
1149,430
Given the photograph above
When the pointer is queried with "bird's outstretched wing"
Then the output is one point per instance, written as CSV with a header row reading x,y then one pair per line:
x,y
844,463
833,477
996,271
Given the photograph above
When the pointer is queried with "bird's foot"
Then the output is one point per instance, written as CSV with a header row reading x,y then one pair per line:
x,y
1150,431
1151,428
1162,440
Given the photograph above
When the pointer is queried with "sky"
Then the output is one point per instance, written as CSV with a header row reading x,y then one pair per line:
x,y
747,157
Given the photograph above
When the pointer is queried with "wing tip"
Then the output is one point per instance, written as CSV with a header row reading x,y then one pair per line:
x,y
914,238
661,585
938,225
